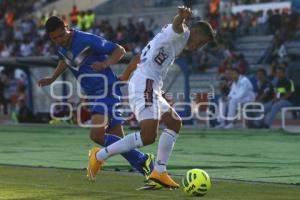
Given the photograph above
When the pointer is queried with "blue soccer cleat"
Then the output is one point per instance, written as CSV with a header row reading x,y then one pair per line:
x,y
148,165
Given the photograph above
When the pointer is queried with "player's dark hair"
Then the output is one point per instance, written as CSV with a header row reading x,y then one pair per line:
x,y
54,23
263,71
206,29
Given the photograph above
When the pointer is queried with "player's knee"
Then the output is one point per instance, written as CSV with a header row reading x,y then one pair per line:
x,y
149,140
148,137
97,136
175,125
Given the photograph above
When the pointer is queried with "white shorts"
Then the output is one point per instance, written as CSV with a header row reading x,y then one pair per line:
x,y
145,98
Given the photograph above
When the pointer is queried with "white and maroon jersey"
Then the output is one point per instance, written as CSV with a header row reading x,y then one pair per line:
x,y
160,53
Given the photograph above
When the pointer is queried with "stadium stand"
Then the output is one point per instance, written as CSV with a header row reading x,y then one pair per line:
x,y
253,47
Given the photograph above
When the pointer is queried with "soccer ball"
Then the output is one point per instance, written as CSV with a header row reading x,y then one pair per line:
x,y
196,182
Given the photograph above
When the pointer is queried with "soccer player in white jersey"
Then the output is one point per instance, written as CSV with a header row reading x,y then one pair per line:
x,y
145,96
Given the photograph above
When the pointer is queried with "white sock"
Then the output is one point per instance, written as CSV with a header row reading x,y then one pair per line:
x,y
126,144
165,147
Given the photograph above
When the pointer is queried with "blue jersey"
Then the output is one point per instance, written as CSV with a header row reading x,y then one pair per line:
x,y
86,49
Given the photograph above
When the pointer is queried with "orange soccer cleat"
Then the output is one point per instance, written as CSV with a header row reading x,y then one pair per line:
x,y
94,165
164,179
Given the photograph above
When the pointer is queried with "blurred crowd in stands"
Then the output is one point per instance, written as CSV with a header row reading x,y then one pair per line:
x,y
239,2
25,35
284,24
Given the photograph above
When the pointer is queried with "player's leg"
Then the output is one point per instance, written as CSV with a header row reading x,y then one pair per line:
x,y
146,111
107,136
141,102
137,139
145,136
97,132
165,145
142,162
167,139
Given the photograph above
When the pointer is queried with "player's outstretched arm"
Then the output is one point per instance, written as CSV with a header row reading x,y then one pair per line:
x,y
130,68
183,13
114,58
61,67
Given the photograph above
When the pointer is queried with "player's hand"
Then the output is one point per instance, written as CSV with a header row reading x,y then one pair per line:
x,y
45,81
98,66
184,12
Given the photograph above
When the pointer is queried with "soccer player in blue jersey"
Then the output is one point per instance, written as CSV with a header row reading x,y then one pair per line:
x,y
85,55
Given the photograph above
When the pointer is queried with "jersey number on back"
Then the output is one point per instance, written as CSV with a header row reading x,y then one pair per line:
x,y
161,56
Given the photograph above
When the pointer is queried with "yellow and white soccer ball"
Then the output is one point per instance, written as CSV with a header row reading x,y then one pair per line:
x,y
196,182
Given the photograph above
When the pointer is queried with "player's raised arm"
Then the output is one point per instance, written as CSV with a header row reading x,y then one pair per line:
x,y
183,13
61,67
130,68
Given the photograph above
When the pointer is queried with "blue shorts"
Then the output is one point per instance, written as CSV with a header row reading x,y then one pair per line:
x,y
108,106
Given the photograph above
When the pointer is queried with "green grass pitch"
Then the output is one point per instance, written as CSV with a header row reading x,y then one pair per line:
x,y
45,162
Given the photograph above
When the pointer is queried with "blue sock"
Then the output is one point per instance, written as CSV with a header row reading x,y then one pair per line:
x,y
134,157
